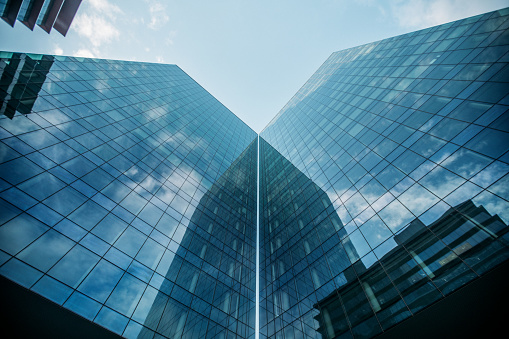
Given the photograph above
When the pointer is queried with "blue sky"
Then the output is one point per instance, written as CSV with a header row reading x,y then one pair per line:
x,y
253,56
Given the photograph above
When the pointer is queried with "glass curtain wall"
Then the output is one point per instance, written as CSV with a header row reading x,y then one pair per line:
x,y
386,181
113,176
128,193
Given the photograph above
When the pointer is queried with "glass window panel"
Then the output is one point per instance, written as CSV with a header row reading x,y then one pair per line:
x,y
395,216
390,176
130,241
42,186
469,111
490,92
88,215
19,232
59,153
494,205
110,228
408,161
18,170
7,211
98,179
167,225
135,330
7,153
79,166
150,308
71,230
18,145
453,88
441,182
355,246
39,139
65,201
52,289
112,320
356,204
95,244
447,129
46,251
151,214
101,281
165,262
83,305
116,191
150,254
126,295
490,142
134,203
20,272
417,199
375,231
18,198
76,264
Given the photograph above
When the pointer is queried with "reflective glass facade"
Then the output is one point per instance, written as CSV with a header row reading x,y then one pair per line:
x,y
386,181
128,194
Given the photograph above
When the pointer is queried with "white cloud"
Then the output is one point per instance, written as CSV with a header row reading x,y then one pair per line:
x,y
96,28
97,23
84,53
425,13
105,7
158,15
171,36
159,59
58,50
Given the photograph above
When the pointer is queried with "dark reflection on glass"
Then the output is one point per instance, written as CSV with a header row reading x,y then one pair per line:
x,y
321,278
209,288
303,246
21,79
427,263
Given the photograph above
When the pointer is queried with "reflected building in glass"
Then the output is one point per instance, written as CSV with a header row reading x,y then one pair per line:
x,y
128,194
22,81
421,252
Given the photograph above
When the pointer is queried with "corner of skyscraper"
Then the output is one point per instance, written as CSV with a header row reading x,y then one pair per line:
x,y
375,203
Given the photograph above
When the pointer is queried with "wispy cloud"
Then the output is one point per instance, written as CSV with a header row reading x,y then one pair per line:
x,y
171,36
158,15
425,13
96,28
58,50
105,7
84,53
97,25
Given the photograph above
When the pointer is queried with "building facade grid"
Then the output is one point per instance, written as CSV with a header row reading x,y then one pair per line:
x,y
394,133
128,194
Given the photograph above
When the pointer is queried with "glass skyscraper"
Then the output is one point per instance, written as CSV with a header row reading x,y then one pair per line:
x,y
387,187
129,194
